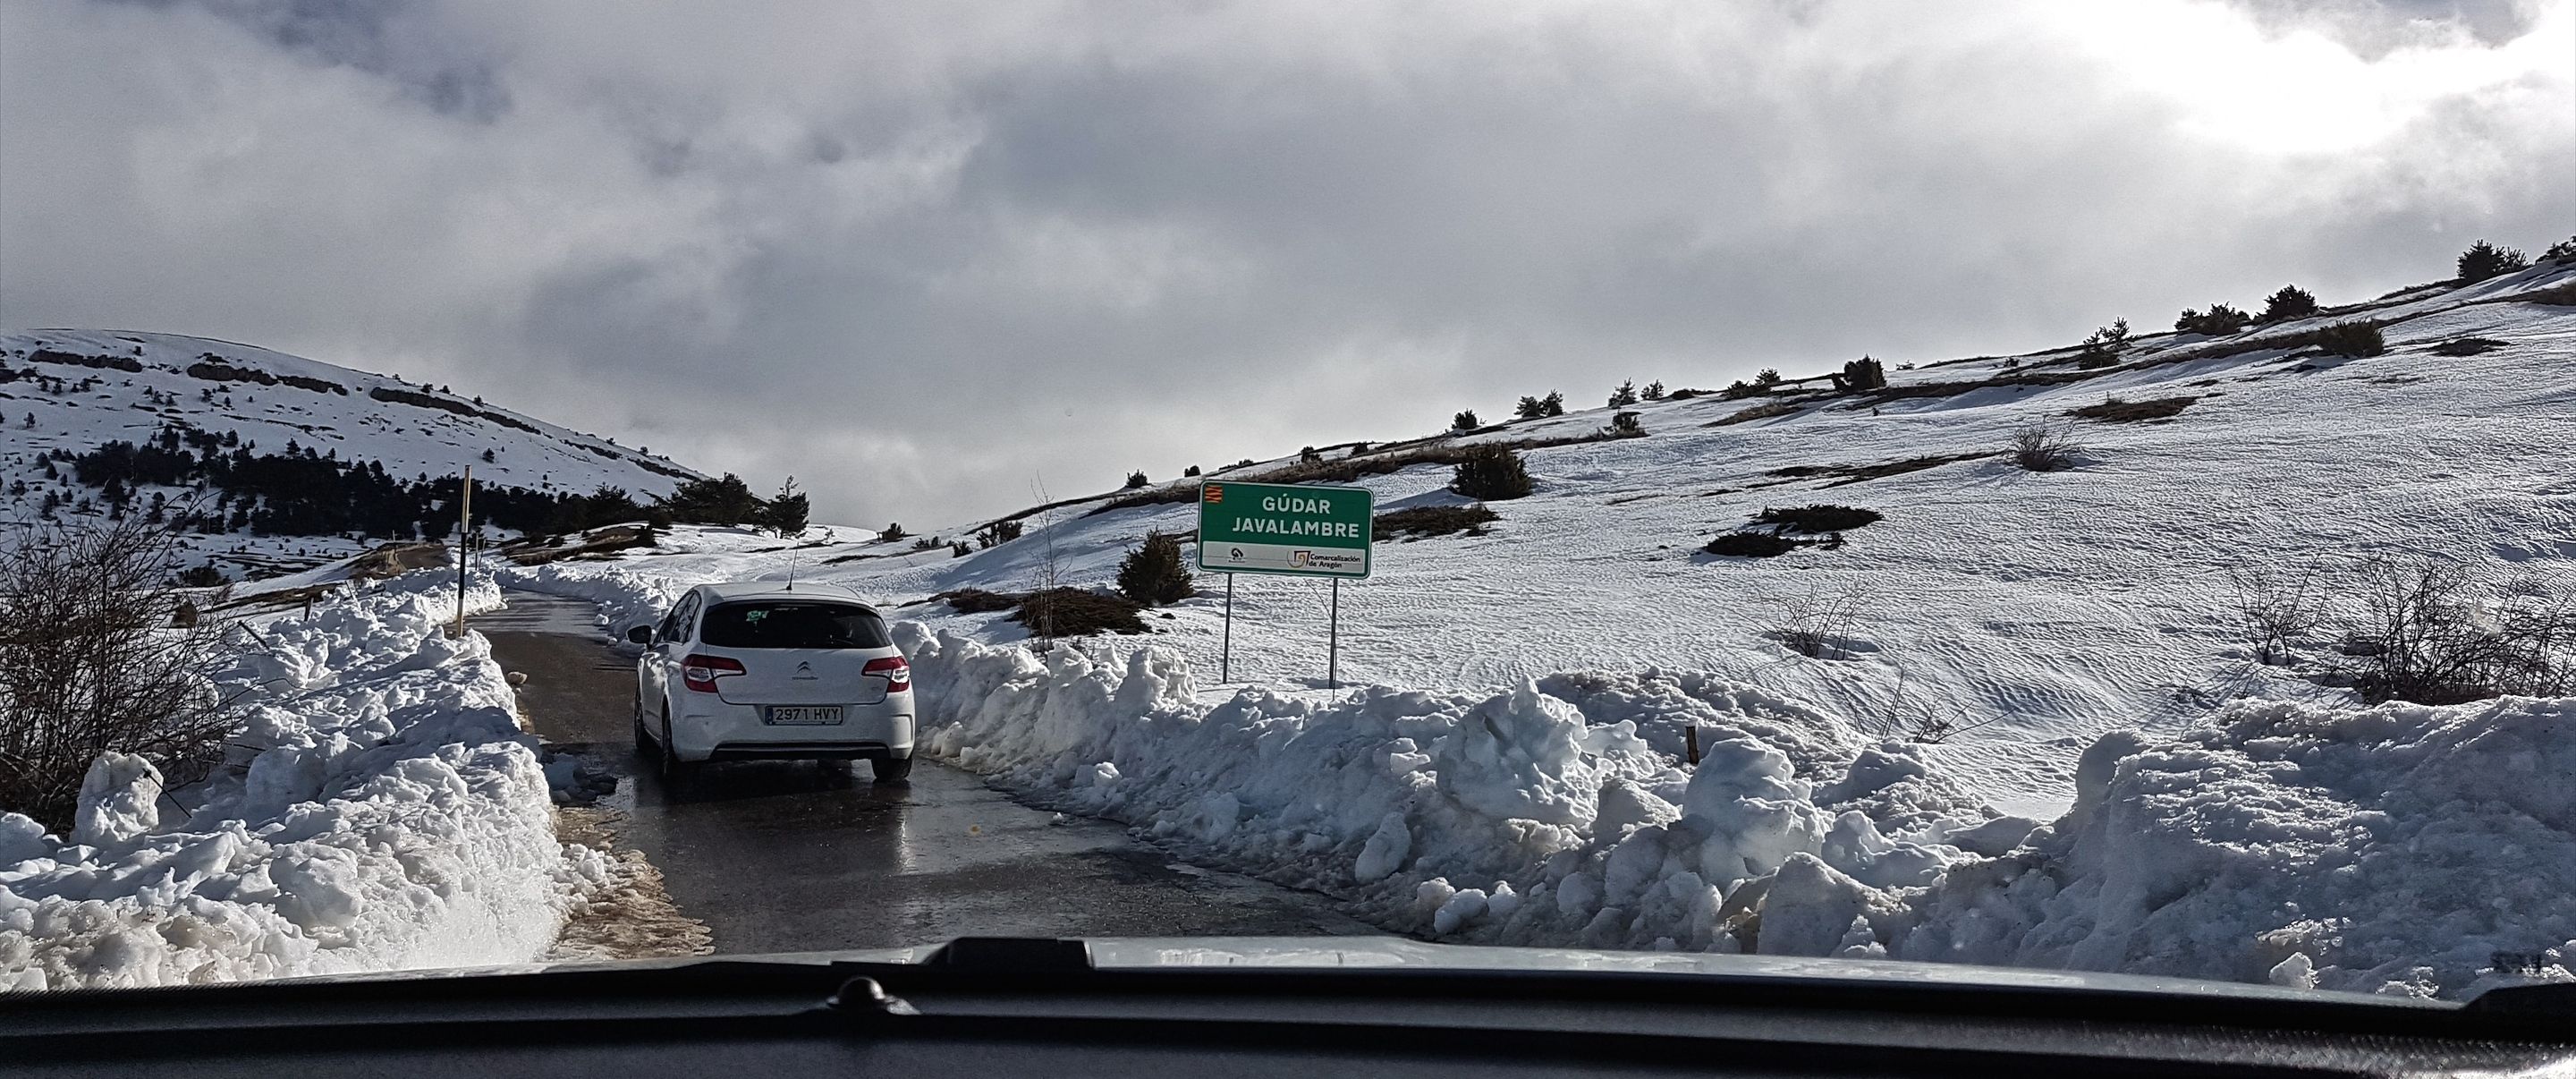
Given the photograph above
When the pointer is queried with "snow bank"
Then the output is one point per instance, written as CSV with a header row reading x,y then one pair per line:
x,y
2398,849
626,596
390,815
2393,849
1547,814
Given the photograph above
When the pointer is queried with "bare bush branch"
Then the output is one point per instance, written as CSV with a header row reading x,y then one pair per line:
x,y
1817,623
91,661
2434,631
1049,576
1921,722
2274,608
2045,447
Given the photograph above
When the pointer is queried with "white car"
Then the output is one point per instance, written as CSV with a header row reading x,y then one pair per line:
x,y
759,671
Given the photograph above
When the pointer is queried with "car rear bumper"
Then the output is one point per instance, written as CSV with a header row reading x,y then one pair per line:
x,y
713,730
804,751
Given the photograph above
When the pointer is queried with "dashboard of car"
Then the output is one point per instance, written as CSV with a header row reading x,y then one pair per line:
x,y
1019,1010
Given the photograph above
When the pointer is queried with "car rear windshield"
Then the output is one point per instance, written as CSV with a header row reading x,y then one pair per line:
x,y
793,624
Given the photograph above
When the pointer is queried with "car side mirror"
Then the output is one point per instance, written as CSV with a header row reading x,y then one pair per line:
x,y
640,634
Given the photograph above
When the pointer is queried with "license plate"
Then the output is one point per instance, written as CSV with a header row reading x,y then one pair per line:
x,y
801,715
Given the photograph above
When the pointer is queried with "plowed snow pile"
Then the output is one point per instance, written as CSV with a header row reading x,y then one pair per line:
x,y
391,815
2400,848
2391,849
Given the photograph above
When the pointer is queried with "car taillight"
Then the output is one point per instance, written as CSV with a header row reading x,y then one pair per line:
x,y
896,672
700,672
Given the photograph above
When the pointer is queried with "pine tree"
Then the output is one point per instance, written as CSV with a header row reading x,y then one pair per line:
x,y
2289,303
2484,260
1153,574
787,510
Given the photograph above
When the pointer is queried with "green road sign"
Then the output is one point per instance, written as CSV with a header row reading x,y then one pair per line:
x,y
1284,528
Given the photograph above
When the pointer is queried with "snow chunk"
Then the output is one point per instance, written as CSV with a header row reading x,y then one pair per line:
x,y
1757,813
1463,906
1810,908
1520,756
1993,838
1385,851
119,800
2296,972
1625,805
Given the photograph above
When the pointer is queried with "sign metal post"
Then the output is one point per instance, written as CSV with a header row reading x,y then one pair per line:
x,y
1333,642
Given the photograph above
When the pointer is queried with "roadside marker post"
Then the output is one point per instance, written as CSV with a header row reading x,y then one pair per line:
x,y
1287,530
464,543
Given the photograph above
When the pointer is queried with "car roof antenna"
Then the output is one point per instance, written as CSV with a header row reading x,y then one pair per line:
x,y
791,569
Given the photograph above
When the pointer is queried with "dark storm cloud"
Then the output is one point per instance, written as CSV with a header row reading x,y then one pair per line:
x,y
388,38
925,256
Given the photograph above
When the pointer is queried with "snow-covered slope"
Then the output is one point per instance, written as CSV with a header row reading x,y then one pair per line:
x,y
74,390
2058,604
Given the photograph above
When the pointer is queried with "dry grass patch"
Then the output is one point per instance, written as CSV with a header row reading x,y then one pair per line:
x,y
1762,411
1849,474
1752,545
2468,346
1425,521
594,544
1817,518
1075,612
2115,410
978,601
1349,469
2563,295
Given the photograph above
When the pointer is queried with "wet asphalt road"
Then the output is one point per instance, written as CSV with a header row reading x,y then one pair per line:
x,y
783,856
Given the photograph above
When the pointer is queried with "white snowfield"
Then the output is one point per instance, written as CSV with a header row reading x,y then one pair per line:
x,y
1509,770
391,815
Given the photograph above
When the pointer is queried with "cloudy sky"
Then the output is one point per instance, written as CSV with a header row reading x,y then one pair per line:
x,y
926,256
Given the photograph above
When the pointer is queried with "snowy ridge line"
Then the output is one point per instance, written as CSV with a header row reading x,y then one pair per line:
x,y
391,815
74,391
2308,847
162,355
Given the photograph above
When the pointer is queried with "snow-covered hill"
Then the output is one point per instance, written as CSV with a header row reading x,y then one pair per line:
x,y
1512,765
72,391
2059,604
